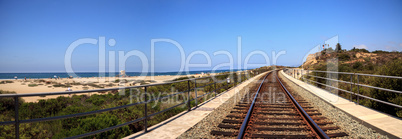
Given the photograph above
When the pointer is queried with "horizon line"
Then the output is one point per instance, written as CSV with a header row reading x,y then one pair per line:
x,y
118,71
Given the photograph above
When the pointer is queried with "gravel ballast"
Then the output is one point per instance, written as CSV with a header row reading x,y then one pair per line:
x,y
350,126
203,128
347,124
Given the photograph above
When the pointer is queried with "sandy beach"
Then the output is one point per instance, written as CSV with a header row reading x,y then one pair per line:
x,y
21,86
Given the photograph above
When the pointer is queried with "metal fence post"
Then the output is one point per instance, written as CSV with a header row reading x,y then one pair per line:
x,y
358,91
308,76
188,96
17,121
235,83
215,87
316,79
195,91
301,78
329,75
146,110
351,86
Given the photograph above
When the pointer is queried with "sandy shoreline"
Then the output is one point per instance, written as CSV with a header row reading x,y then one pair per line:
x,y
21,86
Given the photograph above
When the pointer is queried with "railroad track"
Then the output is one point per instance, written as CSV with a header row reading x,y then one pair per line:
x,y
272,112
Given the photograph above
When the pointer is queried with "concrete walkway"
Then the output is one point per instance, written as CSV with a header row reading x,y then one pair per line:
x,y
381,122
177,125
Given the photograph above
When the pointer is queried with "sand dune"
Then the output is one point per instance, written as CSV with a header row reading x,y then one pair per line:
x,y
21,86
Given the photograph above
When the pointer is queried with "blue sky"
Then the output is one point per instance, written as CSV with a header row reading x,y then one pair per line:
x,y
34,35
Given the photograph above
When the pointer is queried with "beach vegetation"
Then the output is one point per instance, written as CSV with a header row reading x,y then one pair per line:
x,y
58,85
95,85
32,85
64,105
182,78
75,83
109,85
384,63
4,82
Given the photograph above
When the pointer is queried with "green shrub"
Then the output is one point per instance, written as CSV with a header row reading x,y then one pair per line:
x,y
95,86
32,85
76,83
4,82
380,51
359,50
392,68
58,85
109,85
182,78
357,66
117,80
81,103
7,103
343,57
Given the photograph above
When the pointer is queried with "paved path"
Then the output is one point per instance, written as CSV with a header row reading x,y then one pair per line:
x,y
175,126
388,124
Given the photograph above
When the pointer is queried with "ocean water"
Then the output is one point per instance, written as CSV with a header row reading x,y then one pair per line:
x,y
96,74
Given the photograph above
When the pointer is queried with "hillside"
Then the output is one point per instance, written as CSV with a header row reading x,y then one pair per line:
x,y
355,60
362,61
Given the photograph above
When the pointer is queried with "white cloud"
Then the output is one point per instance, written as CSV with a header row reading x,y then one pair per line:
x,y
389,47
400,45
361,46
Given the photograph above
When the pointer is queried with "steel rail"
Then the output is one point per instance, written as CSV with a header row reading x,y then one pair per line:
x,y
250,111
310,122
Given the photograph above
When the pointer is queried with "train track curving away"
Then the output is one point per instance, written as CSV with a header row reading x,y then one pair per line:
x,y
270,111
